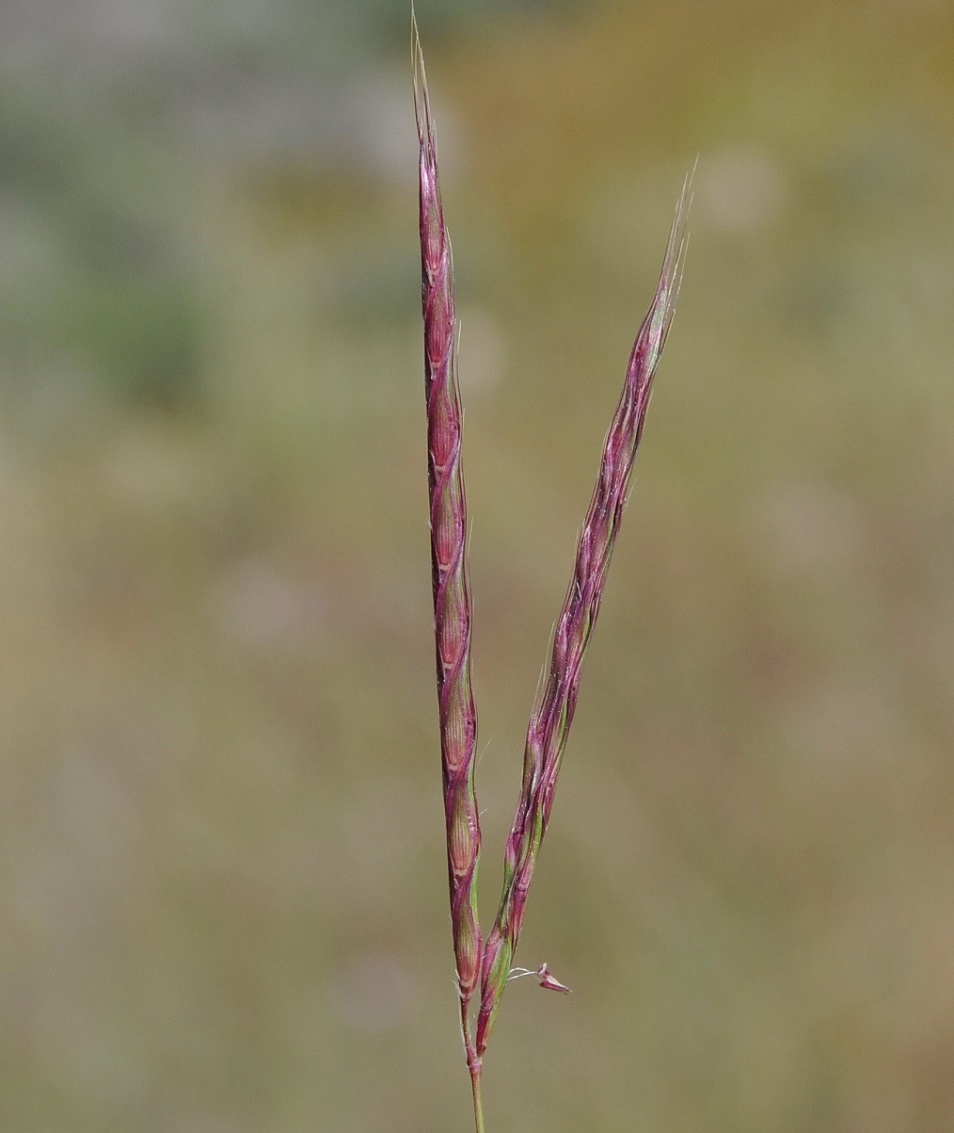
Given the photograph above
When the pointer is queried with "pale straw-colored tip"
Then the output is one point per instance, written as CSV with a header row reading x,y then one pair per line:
x,y
674,261
422,105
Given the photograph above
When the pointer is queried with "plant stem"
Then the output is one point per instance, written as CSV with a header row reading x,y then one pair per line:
x,y
474,1063
478,1103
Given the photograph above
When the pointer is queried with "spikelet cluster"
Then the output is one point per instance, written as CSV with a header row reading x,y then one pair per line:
x,y
555,703
448,522
486,964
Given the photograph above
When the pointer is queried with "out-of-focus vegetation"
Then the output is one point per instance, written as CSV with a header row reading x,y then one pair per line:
x,y
223,895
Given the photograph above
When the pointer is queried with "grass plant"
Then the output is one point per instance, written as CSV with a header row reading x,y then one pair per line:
x,y
484,964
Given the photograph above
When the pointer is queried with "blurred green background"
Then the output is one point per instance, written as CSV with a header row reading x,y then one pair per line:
x,y
223,893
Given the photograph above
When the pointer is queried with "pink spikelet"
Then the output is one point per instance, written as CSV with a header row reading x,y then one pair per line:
x,y
448,521
556,698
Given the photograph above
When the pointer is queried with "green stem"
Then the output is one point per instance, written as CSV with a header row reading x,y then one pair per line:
x,y
478,1104
474,1063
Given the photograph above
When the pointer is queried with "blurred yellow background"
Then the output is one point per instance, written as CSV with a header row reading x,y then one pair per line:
x,y
222,892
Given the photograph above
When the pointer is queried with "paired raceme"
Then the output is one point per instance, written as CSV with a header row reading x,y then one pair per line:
x,y
555,702
478,960
452,607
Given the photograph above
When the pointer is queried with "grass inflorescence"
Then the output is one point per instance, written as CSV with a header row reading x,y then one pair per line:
x,y
484,964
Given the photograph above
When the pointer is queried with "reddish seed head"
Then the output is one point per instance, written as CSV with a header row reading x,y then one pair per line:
x,y
448,515
555,703
556,699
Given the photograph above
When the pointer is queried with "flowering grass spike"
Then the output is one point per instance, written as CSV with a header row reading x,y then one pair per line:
x,y
452,606
487,963
555,704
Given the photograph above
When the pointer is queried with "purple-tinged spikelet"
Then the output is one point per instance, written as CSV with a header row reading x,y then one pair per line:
x,y
448,520
556,697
